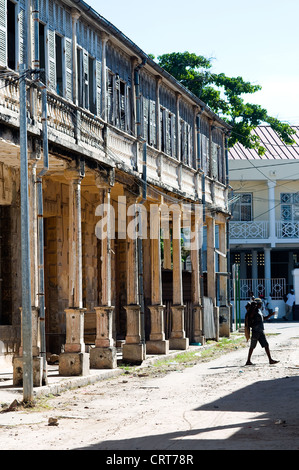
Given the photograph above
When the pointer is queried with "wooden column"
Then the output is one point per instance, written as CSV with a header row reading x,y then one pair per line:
x,y
211,275
37,359
103,356
224,309
74,360
157,343
178,338
196,283
133,349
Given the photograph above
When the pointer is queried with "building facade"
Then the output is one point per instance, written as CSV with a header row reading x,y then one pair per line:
x,y
121,158
264,236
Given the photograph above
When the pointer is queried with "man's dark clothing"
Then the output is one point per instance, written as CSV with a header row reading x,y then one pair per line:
x,y
256,322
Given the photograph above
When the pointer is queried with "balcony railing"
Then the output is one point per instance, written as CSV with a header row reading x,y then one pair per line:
x,y
287,229
250,229
260,288
259,230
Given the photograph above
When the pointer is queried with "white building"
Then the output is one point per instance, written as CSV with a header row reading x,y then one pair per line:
x,y
264,227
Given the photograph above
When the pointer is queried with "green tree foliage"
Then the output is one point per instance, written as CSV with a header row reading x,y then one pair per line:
x,y
225,97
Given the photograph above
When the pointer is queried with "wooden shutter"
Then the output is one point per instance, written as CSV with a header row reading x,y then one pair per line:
x,y
214,161
145,115
22,59
128,109
3,27
173,135
204,154
52,60
98,86
68,69
43,11
109,97
85,79
152,122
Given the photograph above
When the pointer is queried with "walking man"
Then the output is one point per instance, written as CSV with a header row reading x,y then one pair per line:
x,y
254,319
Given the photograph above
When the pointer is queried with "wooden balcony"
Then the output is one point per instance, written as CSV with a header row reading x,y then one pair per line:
x,y
77,130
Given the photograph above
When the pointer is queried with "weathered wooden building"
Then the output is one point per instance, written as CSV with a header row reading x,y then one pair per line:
x,y
105,124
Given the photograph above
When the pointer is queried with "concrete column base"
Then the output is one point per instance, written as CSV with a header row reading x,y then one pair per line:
x,y
103,358
224,321
73,364
134,353
179,343
37,371
157,347
178,338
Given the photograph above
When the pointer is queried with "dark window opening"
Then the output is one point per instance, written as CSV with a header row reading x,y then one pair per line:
x,y
79,77
91,84
42,52
59,65
122,104
11,35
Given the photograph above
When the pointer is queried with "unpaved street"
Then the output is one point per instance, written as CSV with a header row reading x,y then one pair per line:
x,y
220,404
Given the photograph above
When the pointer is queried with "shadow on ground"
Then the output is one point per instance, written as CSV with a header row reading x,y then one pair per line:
x,y
276,426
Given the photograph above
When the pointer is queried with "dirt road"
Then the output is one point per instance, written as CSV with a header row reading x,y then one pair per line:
x,y
220,404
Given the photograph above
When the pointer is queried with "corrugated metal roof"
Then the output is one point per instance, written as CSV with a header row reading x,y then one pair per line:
x,y
276,149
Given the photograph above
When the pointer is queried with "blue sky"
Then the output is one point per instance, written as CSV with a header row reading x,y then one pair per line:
x,y
258,40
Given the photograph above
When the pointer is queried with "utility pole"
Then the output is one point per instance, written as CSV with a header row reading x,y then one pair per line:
x,y
25,246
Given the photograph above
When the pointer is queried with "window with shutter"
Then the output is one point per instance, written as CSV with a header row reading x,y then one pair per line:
x,y
68,69
99,86
214,161
163,129
110,97
85,79
51,59
152,123
59,64
3,25
80,77
42,51
11,35
91,85
122,105
22,59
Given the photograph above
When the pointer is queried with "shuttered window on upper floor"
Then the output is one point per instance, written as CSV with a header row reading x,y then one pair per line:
x,y
88,68
118,102
59,63
118,89
186,133
13,31
217,156
205,146
148,108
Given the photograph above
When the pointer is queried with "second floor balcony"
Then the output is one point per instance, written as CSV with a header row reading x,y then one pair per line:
x,y
260,231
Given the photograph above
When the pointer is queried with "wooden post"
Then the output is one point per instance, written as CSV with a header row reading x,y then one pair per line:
x,y
103,356
157,343
133,349
196,284
74,360
224,309
37,362
211,272
178,338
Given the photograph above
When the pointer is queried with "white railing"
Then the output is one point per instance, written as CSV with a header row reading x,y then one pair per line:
x,y
260,287
250,229
287,229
